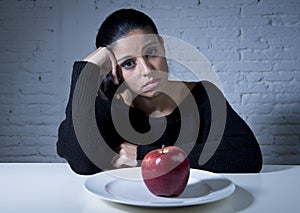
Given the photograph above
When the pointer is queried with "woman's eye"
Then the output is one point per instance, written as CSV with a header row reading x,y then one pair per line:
x,y
152,52
128,64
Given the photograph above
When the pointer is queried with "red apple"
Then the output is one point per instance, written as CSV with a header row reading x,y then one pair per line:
x,y
166,171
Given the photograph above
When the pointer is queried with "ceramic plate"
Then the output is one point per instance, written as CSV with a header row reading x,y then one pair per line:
x,y
127,187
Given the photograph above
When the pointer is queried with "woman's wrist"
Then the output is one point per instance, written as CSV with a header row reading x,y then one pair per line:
x,y
105,59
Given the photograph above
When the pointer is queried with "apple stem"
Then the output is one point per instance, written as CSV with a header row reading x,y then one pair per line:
x,y
162,148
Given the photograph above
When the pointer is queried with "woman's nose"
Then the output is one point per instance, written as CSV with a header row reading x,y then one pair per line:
x,y
146,66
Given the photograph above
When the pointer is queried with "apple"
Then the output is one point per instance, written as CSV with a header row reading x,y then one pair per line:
x,y
166,171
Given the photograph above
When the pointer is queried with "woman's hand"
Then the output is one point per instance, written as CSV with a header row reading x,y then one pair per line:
x,y
127,156
104,58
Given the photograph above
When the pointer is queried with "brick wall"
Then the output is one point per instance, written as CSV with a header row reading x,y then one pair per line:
x,y
30,97
252,44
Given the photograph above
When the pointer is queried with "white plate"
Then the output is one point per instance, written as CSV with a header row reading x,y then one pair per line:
x,y
127,187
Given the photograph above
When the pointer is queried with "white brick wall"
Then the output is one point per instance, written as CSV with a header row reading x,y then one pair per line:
x,y
253,45
31,79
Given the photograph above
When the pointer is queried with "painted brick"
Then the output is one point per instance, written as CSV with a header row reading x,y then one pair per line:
x,y
253,46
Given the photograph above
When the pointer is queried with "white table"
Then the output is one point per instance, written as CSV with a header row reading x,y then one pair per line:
x,y
50,187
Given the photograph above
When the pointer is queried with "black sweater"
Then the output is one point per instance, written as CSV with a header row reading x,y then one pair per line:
x,y
238,150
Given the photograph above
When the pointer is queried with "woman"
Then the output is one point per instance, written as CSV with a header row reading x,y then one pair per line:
x,y
129,46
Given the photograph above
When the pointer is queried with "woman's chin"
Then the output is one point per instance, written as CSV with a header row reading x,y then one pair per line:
x,y
151,94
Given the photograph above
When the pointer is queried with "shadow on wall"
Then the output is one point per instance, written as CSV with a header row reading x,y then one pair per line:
x,y
280,132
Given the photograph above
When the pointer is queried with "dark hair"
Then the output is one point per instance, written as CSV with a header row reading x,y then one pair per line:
x,y
115,26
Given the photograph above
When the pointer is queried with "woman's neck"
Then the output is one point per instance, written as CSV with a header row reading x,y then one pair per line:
x,y
163,103
160,105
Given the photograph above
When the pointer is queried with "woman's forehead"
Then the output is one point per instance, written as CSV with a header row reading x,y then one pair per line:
x,y
134,43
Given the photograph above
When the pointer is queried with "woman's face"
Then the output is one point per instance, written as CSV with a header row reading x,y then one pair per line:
x,y
141,62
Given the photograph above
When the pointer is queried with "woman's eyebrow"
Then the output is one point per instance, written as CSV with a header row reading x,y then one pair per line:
x,y
123,58
143,48
149,44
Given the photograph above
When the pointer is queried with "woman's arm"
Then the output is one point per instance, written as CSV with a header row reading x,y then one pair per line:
x,y
238,150
67,145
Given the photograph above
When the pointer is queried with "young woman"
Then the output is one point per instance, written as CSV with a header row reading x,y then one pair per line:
x,y
130,49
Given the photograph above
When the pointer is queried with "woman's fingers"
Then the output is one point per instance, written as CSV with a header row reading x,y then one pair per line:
x,y
122,161
105,58
126,156
91,56
114,66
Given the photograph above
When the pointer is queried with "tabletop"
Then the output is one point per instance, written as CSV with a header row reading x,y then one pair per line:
x,y
53,187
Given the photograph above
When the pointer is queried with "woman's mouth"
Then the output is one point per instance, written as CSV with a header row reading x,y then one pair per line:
x,y
152,83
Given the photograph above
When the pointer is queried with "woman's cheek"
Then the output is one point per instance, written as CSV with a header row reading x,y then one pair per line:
x,y
132,85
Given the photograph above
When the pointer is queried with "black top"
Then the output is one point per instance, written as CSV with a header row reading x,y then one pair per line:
x,y
238,150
